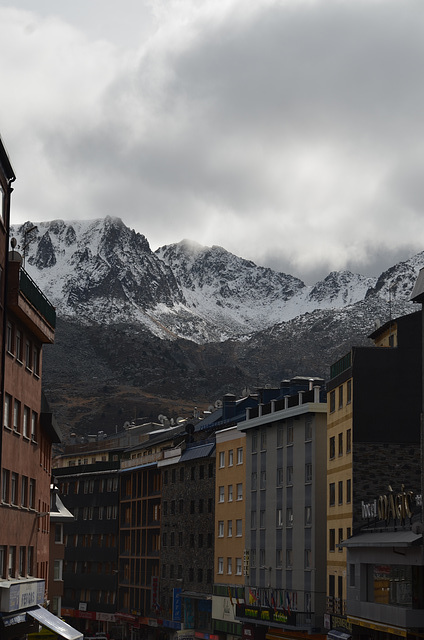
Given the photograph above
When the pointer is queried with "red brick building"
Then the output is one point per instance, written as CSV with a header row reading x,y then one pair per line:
x,y
26,436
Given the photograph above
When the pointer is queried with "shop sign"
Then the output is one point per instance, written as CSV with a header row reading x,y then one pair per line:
x,y
176,604
337,622
391,506
22,595
266,614
248,632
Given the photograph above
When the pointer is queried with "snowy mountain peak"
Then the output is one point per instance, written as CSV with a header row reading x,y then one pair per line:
x,y
103,272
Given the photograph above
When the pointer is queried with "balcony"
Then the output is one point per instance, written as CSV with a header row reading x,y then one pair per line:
x,y
29,303
336,606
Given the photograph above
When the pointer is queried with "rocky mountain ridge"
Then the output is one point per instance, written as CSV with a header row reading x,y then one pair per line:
x,y
183,325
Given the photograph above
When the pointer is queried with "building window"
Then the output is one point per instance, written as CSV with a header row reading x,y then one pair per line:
x,y
16,416
332,540
280,434
307,558
349,391
279,558
263,440
332,494
348,440
262,518
239,491
34,419
230,458
289,475
221,459
254,480
240,455
332,401
58,533
348,490
3,550
57,570
238,566
279,518
30,561
308,429
340,491
239,530
308,516
28,354
308,472
9,338
230,493
289,514
332,447
340,396
280,477
263,479
254,442
290,432
14,489
11,567
229,528
289,558
24,491
193,473
220,565
7,410
180,538
220,529
36,361
253,519
229,566
18,343
221,494
5,486
340,444
25,423
340,539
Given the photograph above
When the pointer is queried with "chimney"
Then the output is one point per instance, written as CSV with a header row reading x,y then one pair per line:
x,y
317,389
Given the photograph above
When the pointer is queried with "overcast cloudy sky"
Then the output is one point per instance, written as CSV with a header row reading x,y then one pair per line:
x,y
288,131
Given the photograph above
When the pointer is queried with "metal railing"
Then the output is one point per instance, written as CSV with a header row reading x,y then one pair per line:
x,y
336,606
36,297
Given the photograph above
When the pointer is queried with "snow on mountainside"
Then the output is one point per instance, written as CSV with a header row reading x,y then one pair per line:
x,y
103,272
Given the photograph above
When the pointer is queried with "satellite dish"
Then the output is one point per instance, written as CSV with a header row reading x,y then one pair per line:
x,y
218,404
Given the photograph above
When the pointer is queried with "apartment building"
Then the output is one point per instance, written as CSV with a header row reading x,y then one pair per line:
x,y
230,526
285,511
26,437
373,431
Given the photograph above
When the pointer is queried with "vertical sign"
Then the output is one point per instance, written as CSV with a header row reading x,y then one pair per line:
x,y
176,605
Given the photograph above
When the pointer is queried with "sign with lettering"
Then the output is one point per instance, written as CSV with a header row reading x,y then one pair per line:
x,y
22,595
392,506
267,614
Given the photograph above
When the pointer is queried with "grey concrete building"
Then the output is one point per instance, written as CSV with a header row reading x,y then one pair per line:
x,y
286,509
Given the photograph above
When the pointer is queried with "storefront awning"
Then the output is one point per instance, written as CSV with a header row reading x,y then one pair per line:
x,y
383,539
54,623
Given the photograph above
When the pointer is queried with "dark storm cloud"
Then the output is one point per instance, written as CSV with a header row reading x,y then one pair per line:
x,y
288,132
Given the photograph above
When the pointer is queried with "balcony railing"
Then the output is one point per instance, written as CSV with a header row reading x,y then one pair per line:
x,y
336,606
341,365
37,298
